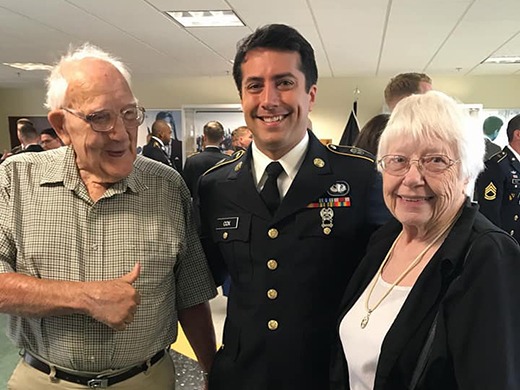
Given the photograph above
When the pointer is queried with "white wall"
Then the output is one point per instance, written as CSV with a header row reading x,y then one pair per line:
x,y
334,99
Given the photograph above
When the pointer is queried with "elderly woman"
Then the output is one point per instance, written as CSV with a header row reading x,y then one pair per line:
x,y
435,304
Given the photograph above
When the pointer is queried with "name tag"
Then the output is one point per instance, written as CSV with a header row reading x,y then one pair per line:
x,y
227,223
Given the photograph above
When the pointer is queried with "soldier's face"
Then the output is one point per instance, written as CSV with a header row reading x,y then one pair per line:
x,y
274,100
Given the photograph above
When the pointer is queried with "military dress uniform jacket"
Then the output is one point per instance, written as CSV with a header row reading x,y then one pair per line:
x,y
498,191
199,163
289,270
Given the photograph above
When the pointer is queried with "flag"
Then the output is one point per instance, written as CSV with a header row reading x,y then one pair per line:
x,y
351,128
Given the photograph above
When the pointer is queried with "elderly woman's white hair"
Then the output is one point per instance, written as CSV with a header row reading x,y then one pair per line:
x,y
435,118
57,84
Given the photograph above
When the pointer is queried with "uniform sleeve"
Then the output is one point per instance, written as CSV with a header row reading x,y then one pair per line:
x,y
483,327
7,245
490,191
215,260
193,277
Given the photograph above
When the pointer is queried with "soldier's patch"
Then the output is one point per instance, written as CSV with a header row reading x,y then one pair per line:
x,y
490,192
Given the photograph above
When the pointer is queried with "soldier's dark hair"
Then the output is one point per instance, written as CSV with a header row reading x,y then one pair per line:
x,y
513,124
282,38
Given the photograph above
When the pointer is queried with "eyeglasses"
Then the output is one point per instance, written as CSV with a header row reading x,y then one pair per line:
x,y
398,165
105,120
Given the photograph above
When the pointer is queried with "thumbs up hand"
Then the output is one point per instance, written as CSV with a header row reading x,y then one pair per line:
x,y
114,302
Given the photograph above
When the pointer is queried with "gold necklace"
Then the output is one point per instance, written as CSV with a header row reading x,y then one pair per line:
x,y
379,272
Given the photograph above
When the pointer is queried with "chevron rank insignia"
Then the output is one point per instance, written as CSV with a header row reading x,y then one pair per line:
x,y
490,192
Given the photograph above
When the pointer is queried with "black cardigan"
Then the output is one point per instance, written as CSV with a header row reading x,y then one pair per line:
x,y
477,341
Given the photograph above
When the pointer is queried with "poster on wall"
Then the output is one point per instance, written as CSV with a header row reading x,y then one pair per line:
x,y
174,119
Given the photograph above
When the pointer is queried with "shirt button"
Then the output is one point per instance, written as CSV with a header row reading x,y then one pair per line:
x,y
272,233
95,247
272,325
512,232
272,293
225,235
272,264
516,218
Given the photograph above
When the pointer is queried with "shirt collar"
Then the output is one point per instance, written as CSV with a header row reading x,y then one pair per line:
x,y
514,152
290,162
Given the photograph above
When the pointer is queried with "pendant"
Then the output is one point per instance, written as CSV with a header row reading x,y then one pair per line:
x,y
364,321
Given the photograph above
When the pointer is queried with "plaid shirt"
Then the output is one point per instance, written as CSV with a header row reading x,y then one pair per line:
x,y
51,229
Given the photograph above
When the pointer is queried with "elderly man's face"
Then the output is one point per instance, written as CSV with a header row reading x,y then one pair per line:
x,y
104,157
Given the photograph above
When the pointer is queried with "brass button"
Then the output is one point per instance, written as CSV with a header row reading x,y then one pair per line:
x,y
272,233
326,231
516,218
318,162
272,293
225,235
272,325
512,232
272,264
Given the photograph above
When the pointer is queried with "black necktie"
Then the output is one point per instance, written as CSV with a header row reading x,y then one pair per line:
x,y
270,193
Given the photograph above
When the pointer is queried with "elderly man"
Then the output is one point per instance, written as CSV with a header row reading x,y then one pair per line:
x,y
99,257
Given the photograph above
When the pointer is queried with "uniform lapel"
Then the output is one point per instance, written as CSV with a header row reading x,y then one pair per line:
x,y
242,189
514,161
311,181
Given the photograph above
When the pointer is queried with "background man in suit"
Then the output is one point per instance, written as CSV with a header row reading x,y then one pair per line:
x,y
289,264
498,187
406,84
491,126
155,148
49,139
29,139
241,138
198,163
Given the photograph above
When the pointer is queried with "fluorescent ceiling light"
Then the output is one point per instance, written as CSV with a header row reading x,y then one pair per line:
x,y
28,66
502,60
225,18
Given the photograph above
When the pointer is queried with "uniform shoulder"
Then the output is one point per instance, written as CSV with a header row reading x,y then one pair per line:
x,y
230,161
351,151
498,157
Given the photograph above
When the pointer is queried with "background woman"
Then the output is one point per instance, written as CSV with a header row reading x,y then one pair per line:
x,y
440,262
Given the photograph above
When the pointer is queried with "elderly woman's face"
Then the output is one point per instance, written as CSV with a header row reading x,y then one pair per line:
x,y
419,197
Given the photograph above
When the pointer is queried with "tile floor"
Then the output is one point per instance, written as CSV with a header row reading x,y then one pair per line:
x,y
189,376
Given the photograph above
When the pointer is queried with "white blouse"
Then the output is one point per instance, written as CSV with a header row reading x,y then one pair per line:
x,y
363,346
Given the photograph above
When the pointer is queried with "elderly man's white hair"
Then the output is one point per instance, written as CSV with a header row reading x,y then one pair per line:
x,y
57,84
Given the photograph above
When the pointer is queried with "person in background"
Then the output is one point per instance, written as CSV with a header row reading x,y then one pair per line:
x,y
241,138
434,303
161,135
99,256
279,219
29,138
198,163
49,139
368,138
491,127
174,147
498,187
406,84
